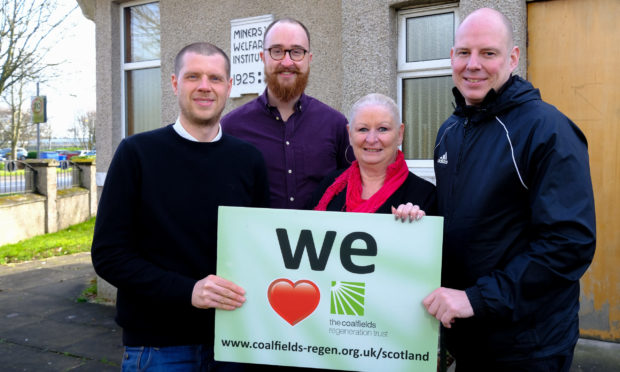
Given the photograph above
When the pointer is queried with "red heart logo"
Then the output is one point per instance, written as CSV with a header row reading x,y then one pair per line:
x,y
293,302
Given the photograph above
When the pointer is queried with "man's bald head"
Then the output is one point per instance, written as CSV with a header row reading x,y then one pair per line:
x,y
483,55
491,15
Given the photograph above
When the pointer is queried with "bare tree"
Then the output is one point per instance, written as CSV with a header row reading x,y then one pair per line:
x,y
83,129
46,135
5,119
16,126
24,27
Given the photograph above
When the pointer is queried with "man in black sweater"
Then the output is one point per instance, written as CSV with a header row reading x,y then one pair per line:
x,y
156,232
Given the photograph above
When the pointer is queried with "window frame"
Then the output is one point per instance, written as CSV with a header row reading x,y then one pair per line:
x,y
131,66
428,68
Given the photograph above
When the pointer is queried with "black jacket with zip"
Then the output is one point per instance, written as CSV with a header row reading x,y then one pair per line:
x,y
513,183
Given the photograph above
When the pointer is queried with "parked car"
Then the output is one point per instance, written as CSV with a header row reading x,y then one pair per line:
x,y
71,153
22,153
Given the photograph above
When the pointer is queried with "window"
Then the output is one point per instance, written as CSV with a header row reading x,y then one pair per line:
x,y
425,37
141,77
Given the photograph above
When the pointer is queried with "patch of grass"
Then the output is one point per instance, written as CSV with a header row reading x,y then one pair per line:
x,y
89,294
5,173
67,170
84,157
108,362
74,239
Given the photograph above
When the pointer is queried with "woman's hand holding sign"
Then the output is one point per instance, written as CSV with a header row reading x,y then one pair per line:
x,y
408,211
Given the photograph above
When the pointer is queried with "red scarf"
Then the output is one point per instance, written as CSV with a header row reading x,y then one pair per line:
x,y
395,176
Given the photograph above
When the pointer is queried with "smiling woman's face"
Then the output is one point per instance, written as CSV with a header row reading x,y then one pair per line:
x,y
375,136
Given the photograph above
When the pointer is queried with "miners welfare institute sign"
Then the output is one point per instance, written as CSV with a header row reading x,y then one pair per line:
x,y
246,43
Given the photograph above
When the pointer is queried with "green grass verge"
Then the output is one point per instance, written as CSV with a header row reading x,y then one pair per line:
x,y
89,294
18,172
74,239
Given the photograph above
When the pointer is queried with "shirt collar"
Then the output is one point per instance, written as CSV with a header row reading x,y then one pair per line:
x,y
185,134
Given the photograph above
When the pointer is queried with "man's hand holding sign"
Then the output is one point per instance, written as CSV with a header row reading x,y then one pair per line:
x,y
216,292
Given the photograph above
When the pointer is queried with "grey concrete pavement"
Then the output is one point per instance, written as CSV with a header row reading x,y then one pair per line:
x,y
596,356
44,328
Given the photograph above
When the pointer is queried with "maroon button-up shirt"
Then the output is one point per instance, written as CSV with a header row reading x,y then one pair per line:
x,y
299,152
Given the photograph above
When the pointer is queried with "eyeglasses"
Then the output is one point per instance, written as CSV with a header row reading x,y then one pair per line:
x,y
296,54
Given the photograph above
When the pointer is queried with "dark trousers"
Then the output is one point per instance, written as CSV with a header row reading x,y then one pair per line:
x,y
558,363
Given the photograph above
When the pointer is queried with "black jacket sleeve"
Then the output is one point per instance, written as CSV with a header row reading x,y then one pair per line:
x,y
562,226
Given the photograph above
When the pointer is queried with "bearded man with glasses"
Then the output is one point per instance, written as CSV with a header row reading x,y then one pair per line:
x,y
301,138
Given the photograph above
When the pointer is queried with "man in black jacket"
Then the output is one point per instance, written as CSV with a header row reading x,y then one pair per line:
x,y
156,233
513,184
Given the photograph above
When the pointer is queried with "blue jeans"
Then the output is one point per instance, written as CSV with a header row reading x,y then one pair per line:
x,y
194,358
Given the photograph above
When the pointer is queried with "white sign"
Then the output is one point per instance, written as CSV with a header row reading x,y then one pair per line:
x,y
329,289
246,42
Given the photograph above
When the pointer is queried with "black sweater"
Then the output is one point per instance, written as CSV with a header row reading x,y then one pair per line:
x,y
156,229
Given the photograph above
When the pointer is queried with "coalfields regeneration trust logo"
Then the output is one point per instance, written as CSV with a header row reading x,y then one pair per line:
x,y
347,298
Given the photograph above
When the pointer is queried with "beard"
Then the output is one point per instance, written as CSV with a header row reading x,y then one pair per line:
x,y
202,121
286,93
198,117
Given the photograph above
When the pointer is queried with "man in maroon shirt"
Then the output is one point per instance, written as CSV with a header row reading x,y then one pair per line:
x,y
301,138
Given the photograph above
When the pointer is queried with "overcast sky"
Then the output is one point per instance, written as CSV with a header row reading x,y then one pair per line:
x,y
73,91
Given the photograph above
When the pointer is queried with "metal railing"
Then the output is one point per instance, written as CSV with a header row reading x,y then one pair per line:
x,y
67,175
16,177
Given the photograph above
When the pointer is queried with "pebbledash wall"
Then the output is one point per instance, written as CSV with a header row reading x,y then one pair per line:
x,y
355,46
48,209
